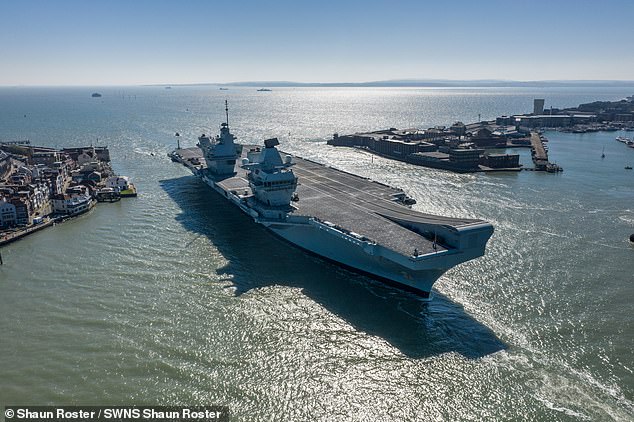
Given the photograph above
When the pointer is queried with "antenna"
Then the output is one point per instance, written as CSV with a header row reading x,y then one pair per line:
x,y
227,112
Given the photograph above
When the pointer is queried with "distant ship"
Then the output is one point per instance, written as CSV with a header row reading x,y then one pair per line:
x,y
224,89
357,223
264,89
96,95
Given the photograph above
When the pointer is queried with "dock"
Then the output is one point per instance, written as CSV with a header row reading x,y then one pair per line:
x,y
538,152
540,155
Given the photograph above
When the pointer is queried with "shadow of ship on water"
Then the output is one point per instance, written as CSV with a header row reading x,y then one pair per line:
x,y
257,258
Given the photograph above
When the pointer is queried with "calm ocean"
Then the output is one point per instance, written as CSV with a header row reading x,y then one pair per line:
x,y
176,298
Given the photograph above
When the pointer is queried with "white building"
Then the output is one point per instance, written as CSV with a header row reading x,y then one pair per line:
x,y
39,195
86,156
76,201
5,164
118,183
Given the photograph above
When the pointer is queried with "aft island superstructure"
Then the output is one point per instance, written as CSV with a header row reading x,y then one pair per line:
x,y
357,223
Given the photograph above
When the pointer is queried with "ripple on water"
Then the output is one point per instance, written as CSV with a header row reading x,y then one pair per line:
x,y
170,298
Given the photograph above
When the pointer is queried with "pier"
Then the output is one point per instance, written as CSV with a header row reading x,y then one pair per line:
x,y
538,152
19,143
540,155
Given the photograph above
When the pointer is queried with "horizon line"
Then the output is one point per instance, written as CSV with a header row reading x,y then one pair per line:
x,y
378,83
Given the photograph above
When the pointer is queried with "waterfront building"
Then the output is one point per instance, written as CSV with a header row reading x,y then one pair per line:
x,y
395,145
431,159
582,119
34,180
506,132
86,155
459,129
433,134
44,157
624,117
505,120
544,120
92,153
118,183
401,148
75,201
8,216
484,137
465,158
499,161
22,210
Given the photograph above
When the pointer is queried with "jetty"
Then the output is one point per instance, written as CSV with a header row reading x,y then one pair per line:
x,y
539,154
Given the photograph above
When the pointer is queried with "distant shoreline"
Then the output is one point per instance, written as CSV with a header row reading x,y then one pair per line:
x,y
401,83
440,83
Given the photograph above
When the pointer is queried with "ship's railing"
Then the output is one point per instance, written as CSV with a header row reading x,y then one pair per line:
x,y
348,235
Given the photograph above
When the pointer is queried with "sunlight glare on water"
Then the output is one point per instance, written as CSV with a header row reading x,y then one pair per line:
x,y
176,298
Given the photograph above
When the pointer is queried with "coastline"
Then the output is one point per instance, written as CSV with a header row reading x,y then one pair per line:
x,y
42,186
20,233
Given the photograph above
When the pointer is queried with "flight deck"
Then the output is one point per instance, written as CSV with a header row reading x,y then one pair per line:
x,y
365,208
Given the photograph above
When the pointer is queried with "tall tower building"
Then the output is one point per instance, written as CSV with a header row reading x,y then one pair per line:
x,y
538,106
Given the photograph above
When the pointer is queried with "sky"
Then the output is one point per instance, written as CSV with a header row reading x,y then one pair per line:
x,y
97,42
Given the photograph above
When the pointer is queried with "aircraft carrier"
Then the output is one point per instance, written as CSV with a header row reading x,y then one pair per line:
x,y
360,224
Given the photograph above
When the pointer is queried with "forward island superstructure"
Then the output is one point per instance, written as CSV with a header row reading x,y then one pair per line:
x,y
357,223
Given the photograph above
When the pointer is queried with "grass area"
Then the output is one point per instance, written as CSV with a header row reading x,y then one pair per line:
x,y
131,191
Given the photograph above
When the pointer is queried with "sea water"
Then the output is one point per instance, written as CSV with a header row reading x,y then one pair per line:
x,y
175,297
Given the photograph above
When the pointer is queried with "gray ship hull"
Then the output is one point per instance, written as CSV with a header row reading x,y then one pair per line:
x,y
353,257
